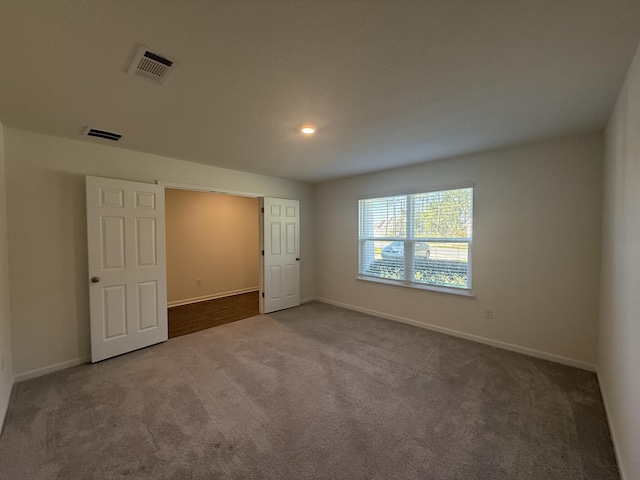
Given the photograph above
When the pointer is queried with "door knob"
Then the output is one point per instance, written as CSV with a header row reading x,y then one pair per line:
x,y
298,259
95,279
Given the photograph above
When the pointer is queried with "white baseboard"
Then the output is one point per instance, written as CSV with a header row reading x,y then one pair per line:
x,y
612,430
79,361
187,301
50,369
487,341
308,299
4,406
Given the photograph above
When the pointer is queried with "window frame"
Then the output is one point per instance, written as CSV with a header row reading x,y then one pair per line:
x,y
409,244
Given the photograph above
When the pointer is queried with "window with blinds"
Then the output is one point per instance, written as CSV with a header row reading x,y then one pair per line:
x,y
422,239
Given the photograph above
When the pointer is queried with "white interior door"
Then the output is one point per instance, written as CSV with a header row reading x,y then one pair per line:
x,y
127,266
281,254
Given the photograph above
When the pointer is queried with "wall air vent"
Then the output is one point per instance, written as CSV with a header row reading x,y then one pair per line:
x,y
94,132
151,65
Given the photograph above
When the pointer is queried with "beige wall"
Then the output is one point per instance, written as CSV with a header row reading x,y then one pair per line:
x,y
6,373
48,240
619,339
536,250
212,238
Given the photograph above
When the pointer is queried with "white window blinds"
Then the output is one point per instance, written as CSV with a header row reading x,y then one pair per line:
x,y
421,239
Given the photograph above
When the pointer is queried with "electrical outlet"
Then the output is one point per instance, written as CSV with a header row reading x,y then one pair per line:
x,y
488,313
198,282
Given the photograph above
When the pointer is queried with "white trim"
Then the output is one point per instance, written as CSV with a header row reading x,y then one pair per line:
x,y
475,338
612,431
308,299
4,406
50,369
187,301
203,188
414,191
463,292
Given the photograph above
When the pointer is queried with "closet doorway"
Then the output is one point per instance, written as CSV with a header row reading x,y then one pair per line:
x,y
213,259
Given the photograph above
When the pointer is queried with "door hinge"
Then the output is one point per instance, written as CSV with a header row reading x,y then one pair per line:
x,y
262,294
262,210
263,253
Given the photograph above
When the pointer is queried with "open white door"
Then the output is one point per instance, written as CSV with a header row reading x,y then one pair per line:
x,y
127,266
280,229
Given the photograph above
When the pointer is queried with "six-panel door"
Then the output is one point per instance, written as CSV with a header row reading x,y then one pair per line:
x,y
127,266
281,240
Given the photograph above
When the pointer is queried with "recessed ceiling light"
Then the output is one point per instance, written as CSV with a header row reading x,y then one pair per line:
x,y
307,130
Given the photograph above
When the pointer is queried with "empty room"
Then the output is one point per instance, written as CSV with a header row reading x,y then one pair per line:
x,y
432,206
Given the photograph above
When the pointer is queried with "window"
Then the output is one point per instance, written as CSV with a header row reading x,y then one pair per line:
x,y
421,240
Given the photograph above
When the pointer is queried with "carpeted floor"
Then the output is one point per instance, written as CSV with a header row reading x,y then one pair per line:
x,y
314,392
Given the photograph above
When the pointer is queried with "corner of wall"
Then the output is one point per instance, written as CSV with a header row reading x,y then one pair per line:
x,y
6,370
618,333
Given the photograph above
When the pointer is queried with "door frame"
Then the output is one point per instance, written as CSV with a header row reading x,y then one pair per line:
x,y
239,193
202,188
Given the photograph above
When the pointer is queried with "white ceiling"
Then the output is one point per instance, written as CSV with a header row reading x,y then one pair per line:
x,y
387,82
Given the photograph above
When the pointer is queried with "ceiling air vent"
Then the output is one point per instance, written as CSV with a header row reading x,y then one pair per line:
x,y
94,132
151,65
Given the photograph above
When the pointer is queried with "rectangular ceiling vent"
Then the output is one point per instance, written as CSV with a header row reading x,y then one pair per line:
x,y
151,65
94,132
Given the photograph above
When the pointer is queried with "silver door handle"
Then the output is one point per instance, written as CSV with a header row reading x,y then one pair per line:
x,y
95,279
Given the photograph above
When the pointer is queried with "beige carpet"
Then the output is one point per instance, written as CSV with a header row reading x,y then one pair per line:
x,y
315,392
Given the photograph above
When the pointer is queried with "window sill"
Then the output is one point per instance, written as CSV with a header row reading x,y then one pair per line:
x,y
462,292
